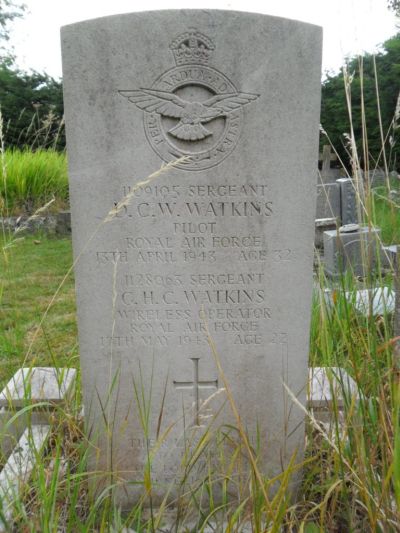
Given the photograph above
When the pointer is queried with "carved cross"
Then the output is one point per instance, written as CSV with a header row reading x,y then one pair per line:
x,y
327,156
196,385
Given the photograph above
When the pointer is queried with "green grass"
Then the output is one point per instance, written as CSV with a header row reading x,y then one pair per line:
x,y
386,212
31,179
30,272
360,474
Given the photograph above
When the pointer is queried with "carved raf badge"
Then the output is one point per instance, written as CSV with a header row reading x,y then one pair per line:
x,y
193,109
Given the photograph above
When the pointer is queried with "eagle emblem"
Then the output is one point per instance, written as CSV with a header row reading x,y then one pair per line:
x,y
192,110
192,115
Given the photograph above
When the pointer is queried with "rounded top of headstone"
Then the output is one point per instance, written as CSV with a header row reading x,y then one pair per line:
x,y
349,228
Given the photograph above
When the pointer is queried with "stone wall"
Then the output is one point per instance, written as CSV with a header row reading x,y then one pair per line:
x,y
54,224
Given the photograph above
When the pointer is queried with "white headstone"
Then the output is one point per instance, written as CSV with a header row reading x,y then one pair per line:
x,y
222,241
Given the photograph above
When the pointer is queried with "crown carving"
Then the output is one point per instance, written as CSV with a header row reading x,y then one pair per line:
x,y
192,47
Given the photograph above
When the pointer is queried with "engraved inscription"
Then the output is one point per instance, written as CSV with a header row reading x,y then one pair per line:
x,y
192,294
192,110
195,386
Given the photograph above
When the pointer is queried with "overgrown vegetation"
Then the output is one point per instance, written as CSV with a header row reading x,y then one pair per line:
x,y
33,179
366,75
385,212
32,109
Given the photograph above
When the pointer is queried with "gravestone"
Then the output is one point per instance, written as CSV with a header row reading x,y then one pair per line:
x,y
352,248
375,177
328,210
336,206
328,201
215,250
328,174
348,201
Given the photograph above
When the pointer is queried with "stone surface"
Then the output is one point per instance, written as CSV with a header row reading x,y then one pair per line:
x,y
336,205
329,386
379,301
18,469
348,201
201,251
375,177
214,527
38,384
328,174
392,248
321,225
349,228
59,223
181,521
356,251
328,201
331,389
11,429
389,255
26,225
63,226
